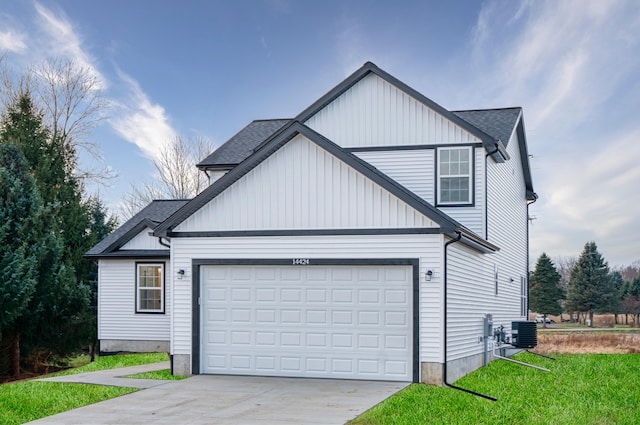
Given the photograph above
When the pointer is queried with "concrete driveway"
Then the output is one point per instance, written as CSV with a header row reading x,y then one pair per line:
x,y
226,400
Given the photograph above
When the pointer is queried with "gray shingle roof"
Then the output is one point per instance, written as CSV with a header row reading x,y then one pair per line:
x,y
150,216
499,123
240,146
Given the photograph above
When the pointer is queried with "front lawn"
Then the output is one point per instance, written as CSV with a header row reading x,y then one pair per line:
x,y
22,402
581,389
27,401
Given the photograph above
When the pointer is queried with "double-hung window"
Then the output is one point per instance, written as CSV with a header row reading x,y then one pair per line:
x,y
455,181
150,288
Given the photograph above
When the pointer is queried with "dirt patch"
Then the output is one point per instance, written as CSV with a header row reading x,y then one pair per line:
x,y
589,343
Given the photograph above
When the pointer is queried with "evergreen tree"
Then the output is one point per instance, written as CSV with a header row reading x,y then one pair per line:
x,y
545,293
20,213
590,286
58,303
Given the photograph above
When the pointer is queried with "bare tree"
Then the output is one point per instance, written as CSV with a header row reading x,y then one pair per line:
x,y
74,103
72,100
564,265
176,175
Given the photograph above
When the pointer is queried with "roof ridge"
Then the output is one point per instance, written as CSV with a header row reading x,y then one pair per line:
x,y
487,109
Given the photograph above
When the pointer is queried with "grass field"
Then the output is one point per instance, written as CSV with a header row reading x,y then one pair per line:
x,y
581,389
26,401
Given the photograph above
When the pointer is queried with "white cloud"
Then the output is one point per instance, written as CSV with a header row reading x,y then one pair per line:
x,y
567,63
140,121
63,41
12,41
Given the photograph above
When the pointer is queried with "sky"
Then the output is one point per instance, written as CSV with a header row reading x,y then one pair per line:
x,y
208,68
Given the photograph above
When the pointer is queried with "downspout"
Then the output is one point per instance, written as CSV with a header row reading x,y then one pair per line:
x,y
444,369
535,198
170,355
486,194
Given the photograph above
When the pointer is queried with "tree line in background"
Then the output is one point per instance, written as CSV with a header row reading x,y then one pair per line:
x,y
585,286
48,291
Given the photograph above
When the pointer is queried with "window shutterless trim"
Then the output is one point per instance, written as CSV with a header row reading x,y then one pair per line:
x,y
472,171
162,288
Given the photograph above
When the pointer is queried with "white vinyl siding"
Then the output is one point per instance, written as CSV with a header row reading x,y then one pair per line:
x,y
117,318
302,186
426,248
143,240
415,169
411,168
507,226
376,113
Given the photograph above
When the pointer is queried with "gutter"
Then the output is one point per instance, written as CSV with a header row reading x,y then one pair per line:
x,y
444,369
162,243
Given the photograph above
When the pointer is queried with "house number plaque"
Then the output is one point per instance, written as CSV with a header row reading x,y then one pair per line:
x,y
300,261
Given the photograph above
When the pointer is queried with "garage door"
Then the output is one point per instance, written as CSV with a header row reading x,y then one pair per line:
x,y
347,322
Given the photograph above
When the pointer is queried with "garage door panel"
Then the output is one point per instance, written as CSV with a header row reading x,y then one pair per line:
x,y
314,321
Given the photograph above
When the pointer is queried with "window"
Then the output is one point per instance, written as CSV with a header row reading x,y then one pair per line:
x,y
495,277
523,297
454,176
150,288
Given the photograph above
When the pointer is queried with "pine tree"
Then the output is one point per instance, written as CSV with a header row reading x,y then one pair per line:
x,y
20,212
55,312
590,286
545,293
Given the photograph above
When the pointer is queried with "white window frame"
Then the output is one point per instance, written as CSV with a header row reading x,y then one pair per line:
x,y
160,289
468,175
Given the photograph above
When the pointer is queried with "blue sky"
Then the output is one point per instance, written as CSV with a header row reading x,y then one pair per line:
x,y
210,67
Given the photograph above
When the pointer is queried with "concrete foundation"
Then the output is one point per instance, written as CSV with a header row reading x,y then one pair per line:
x,y
133,346
456,369
431,373
181,364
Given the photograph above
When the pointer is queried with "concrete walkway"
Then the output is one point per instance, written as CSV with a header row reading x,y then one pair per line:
x,y
116,377
226,400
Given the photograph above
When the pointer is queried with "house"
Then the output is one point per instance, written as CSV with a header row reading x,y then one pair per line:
x,y
366,238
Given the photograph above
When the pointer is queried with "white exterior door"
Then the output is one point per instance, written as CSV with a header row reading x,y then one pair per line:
x,y
346,322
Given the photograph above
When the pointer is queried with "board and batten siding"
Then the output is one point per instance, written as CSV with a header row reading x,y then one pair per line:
x,y
375,113
427,248
507,226
117,317
143,241
415,169
302,186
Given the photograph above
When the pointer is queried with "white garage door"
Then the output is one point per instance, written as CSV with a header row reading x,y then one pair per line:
x,y
347,322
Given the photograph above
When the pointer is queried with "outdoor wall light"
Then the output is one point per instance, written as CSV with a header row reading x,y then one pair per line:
x,y
428,275
180,273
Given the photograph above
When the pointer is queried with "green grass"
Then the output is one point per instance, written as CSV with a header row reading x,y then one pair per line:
x,y
581,389
22,402
27,401
164,374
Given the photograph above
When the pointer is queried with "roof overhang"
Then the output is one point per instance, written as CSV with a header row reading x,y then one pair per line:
x,y
132,253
